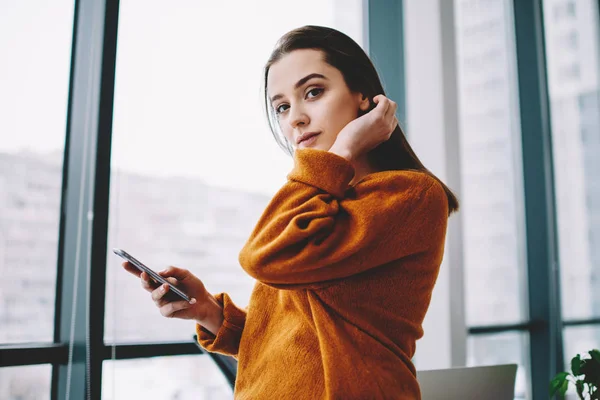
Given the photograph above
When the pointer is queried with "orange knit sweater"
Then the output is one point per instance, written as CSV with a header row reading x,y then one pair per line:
x,y
344,278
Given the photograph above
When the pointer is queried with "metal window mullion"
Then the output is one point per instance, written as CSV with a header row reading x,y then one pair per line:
x,y
386,49
493,329
82,251
102,196
581,322
58,353
32,354
60,277
144,350
540,211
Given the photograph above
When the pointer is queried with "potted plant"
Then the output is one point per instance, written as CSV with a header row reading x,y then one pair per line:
x,y
584,375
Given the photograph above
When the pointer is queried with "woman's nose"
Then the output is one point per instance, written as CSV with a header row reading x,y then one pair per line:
x,y
298,117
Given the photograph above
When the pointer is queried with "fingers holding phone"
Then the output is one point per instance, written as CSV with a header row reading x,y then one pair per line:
x,y
129,267
176,292
155,277
171,305
147,282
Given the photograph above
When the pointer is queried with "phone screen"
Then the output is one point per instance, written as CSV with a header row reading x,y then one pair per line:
x,y
126,256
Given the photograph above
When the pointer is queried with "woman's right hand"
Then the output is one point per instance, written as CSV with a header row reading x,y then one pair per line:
x,y
368,131
203,306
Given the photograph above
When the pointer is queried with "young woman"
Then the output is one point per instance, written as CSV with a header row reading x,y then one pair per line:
x,y
346,254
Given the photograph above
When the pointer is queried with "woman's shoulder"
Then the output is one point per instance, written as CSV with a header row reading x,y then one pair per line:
x,y
407,179
404,188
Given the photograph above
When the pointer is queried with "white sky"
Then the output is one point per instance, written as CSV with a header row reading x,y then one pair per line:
x,y
188,85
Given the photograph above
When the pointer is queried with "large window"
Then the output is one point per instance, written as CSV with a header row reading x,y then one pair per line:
x,y
572,49
193,166
34,82
491,180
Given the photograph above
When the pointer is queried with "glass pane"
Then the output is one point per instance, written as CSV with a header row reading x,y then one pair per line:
x,y
194,163
579,340
572,43
30,382
503,348
492,196
176,378
35,43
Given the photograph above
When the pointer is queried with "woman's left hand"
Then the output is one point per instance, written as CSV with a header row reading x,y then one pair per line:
x,y
368,131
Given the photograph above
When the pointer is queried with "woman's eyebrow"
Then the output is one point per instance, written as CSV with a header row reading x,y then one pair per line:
x,y
300,83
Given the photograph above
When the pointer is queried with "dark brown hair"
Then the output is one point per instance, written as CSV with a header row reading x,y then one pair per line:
x,y
344,54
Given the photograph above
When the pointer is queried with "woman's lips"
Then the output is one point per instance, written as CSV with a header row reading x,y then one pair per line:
x,y
309,141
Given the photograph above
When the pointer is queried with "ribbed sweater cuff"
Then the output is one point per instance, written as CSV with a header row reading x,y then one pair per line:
x,y
228,337
323,170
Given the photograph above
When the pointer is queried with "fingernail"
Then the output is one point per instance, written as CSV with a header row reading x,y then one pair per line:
x,y
193,301
163,288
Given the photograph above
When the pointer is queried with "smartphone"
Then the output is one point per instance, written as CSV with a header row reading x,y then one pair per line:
x,y
157,278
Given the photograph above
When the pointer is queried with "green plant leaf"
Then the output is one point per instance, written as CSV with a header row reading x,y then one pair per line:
x,y
564,387
561,376
591,369
595,353
580,386
557,382
576,365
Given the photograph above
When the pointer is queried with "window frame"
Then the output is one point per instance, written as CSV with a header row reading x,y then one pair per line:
x,y
545,324
87,154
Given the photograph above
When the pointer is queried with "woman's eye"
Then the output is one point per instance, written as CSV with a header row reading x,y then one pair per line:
x,y
314,92
279,109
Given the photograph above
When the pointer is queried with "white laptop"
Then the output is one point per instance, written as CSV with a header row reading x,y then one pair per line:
x,y
495,382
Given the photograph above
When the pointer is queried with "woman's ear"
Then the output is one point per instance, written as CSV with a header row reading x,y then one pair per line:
x,y
364,103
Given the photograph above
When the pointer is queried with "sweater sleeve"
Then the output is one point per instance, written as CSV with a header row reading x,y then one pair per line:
x,y
227,340
317,229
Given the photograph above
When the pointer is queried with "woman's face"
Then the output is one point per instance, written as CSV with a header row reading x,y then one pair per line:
x,y
311,99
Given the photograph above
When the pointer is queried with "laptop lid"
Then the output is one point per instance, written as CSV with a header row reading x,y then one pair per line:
x,y
495,382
